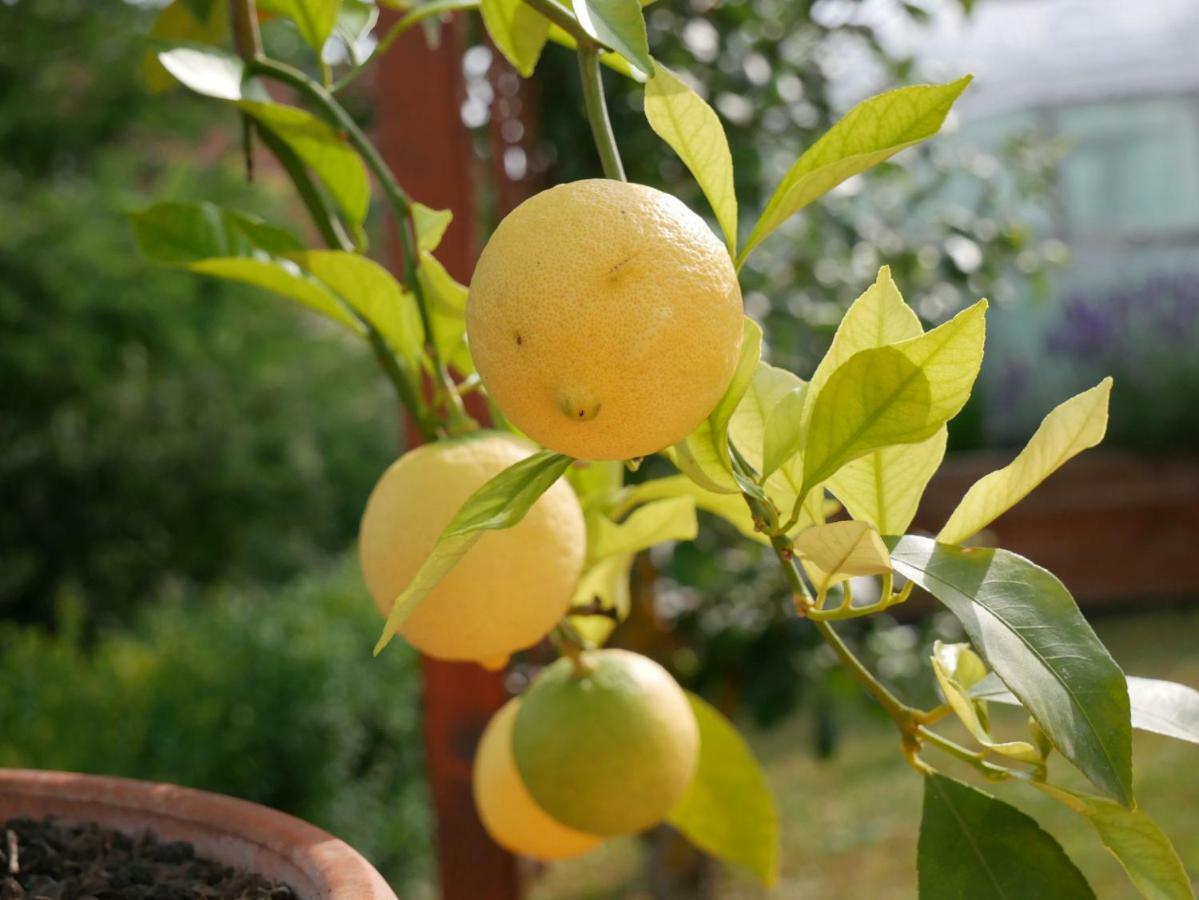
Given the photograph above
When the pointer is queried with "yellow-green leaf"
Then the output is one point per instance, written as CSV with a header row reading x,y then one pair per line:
x,y
618,24
692,129
179,23
966,710
729,811
897,394
613,61
1072,427
842,550
500,503
445,298
670,519
879,316
430,226
1142,848
371,290
518,30
873,131
314,19
885,486
322,150
784,434
280,277
704,454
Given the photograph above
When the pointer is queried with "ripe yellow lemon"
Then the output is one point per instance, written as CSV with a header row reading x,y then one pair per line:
x,y
610,751
604,319
509,814
510,588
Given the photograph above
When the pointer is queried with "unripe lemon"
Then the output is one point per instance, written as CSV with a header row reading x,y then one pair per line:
x,y
604,319
610,751
510,588
509,814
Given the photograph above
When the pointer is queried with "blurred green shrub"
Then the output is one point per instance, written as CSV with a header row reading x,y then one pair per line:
x,y
268,695
153,425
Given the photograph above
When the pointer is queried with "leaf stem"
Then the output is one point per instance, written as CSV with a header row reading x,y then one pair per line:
x,y
401,205
970,757
597,111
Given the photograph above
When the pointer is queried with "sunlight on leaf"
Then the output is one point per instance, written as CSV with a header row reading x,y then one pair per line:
x,y
873,131
606,582
842,550
282,278
692,129
898,394
729,811
322,150
518,30
618,24
885,486
670,519
1072,427
1142,848
314,19
431,225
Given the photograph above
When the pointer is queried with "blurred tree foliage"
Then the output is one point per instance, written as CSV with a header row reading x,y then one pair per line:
x,y
269,695
153,425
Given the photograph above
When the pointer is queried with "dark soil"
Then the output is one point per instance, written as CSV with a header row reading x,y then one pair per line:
x,y
54,861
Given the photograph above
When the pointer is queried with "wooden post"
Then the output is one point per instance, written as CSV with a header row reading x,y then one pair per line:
x,y
419,97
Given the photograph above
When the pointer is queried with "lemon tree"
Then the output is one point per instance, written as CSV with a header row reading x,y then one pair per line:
x,y
604,323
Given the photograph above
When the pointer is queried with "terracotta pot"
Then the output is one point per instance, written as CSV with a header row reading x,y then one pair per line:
x,y
237,833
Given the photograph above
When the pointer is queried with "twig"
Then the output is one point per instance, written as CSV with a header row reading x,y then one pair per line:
x,y
14,859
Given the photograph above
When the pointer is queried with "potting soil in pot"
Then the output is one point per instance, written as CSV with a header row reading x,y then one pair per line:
x,y
48,859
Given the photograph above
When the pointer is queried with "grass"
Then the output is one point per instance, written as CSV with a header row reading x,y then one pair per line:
x,y
849,824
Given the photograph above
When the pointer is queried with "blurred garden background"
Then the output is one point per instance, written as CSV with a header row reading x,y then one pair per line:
x,y
183,462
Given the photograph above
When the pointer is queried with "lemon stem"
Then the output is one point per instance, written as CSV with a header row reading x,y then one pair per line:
x,y
597,112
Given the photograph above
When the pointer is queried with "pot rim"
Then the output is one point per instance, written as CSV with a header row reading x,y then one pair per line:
x,y
232,831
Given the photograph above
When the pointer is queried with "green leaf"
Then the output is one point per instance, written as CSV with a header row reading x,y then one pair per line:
x,y
704,454
431,225
182,22
177,233
322,150
518,30
878,317
898,394
681,118
1163,707
784,433
613,61
370,289
618,24
446,300
1072,427
973,845
671,519
355,20
500,503
842,550
1025,625
210,73
966,709
279,277
873,131
885,486
730,507
314,19
1142,848
729,811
